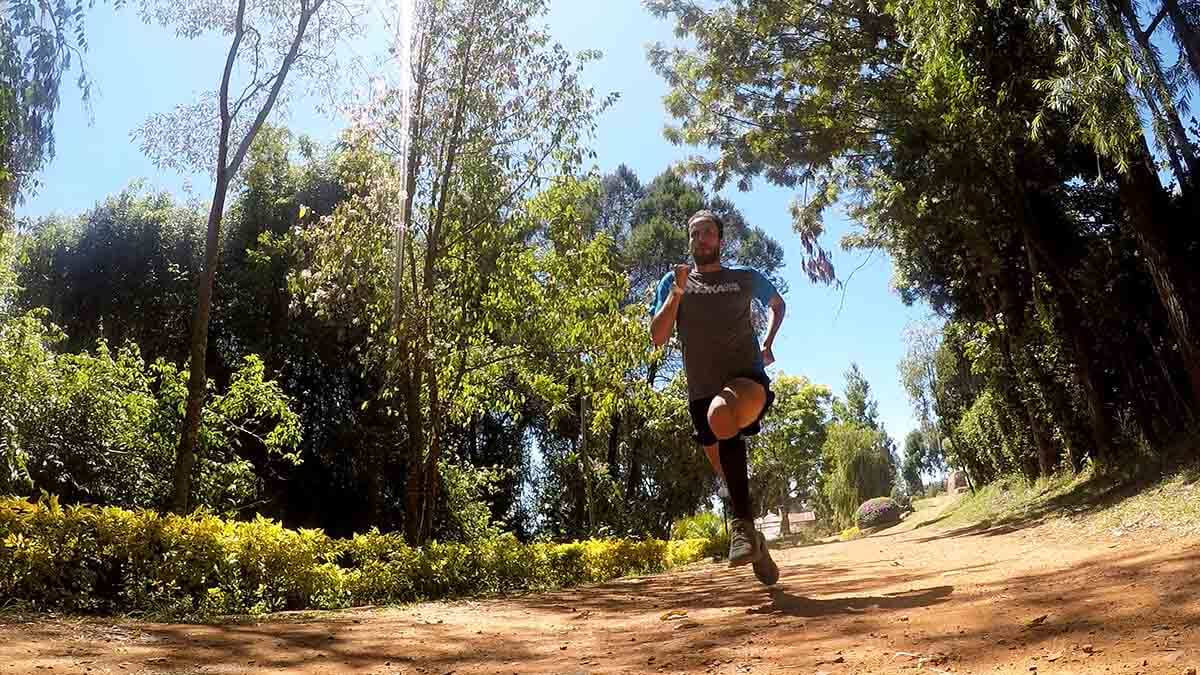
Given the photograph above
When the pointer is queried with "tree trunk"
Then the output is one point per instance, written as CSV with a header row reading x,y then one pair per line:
x,y
413,488
1071,322
1188,34
785,525
1168,142
634,477
585,464
227,168
1013,310
1147,210
422,484
614,446
185,454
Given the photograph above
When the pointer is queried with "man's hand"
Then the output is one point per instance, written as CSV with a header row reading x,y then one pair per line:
x,y
681,276
768,356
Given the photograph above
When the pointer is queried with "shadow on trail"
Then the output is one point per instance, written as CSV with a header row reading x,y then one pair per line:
x,y
1139,604
299,645
783,602
806,589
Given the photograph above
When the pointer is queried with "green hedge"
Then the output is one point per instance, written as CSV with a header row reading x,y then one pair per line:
x,y
107,559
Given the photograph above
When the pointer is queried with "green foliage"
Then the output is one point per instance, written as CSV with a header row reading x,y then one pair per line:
x,y
876,512
101,426
981,438
125,270
857,468
468,491
81,558
858,407
39,41
703,525
706,526
919,457
8,271
785,459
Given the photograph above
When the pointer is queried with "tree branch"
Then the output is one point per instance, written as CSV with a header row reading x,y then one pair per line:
x,y
306,15
1157,20
253,78
239,32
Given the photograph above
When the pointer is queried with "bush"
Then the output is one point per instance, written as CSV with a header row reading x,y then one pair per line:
x,y
901,497
101,426
877,512
706,526
107,559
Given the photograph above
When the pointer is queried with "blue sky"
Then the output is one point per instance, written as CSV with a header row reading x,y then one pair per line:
x,y
140,70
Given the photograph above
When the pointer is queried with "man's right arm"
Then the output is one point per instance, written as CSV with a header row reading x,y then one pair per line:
x,y
670,292
664,319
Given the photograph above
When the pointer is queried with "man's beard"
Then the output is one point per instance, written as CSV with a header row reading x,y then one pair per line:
x,y
709,258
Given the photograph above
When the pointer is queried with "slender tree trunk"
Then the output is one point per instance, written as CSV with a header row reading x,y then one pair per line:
x,y
407,355
1166,140
420,486
227,168
1014,313
585,464
614,446
634,478
414,488
185,454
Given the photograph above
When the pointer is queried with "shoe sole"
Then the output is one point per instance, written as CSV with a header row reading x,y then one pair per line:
x,y
772,575
741,562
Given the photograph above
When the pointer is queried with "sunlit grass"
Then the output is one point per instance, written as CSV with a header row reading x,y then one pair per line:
x,y
1087,503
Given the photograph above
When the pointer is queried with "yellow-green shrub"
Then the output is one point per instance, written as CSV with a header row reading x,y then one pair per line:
x,y
706,526
83,558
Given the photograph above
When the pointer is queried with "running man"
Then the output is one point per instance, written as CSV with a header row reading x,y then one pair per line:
x,y
728,388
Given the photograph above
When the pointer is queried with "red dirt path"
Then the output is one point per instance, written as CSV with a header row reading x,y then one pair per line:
x,y
973,600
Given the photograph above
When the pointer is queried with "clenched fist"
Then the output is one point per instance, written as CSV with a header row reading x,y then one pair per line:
x,y
681,276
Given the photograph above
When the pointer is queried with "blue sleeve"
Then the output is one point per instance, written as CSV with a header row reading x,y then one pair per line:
x,y
662,293
762,287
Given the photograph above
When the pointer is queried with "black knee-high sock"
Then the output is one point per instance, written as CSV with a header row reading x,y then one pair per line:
x,y
733,465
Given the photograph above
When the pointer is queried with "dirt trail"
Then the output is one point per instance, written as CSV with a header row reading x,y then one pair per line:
x,y
913,600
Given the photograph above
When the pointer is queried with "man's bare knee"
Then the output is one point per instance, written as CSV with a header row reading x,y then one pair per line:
x,y
722,419
746,398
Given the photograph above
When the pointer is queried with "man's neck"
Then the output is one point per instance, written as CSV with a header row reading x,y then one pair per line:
x,y
712,267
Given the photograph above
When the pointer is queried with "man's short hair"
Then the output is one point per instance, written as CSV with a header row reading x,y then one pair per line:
x,y
705,214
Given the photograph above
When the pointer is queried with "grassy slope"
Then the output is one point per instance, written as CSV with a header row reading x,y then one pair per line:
x,y
1086,503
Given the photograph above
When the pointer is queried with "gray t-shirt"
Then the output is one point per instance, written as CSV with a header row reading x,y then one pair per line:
x,y
714,324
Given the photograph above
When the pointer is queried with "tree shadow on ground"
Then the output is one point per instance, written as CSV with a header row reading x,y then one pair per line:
x,y
1140,603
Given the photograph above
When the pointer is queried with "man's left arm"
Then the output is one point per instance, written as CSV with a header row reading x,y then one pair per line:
x,y
778,308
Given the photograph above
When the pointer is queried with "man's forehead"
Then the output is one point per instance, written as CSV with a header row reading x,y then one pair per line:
x,y
702,221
